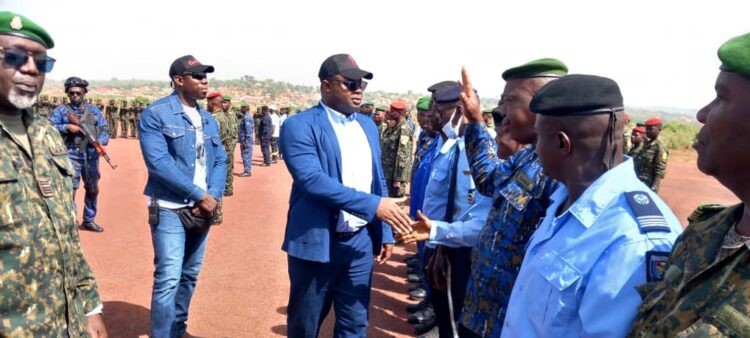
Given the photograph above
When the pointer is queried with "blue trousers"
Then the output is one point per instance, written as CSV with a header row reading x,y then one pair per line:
x,y
247,155
265,148
344,282
88,170
178,256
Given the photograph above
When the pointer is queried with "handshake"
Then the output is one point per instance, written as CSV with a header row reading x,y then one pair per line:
x,y
405,229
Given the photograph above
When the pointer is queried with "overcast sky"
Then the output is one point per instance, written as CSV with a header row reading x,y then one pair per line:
x,y
662,53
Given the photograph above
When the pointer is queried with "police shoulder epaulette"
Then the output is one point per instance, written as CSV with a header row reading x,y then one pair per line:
x,y
646,212
704,211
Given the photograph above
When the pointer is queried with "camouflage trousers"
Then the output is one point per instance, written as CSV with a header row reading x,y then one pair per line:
x,y
398,191
229,189
112,124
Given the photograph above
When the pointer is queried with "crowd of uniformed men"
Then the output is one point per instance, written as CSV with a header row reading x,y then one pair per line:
x,y
530,219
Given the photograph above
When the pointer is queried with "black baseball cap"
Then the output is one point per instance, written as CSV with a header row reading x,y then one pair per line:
x,y
344,65
188,65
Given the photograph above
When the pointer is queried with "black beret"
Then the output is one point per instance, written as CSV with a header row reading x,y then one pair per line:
x,y
577,95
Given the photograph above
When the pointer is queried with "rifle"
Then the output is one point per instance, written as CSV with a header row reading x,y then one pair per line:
x,y
97,146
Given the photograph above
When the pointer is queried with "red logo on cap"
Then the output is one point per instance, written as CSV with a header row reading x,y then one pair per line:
x,y
193,62
351,60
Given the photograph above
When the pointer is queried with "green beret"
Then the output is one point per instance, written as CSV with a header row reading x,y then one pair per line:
x,y
538,68
424,103
21,26
735,55
244,104
369,103
226,98
487,111
380,108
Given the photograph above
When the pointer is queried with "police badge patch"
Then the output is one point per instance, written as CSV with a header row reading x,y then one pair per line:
x,y
656,265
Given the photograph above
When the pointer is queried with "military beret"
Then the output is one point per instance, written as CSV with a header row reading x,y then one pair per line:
x,y
487,111
735,55
424,103
213,95
368,103
577,95
226,98
244,104
639,129
398,105
21,26
654,121
538,68
379,108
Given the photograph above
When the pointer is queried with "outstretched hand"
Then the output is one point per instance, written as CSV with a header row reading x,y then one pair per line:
x,y
421,230
390,212
472,108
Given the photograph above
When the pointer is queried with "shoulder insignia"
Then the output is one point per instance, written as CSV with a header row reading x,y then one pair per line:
x,y
58,150
656,265
647,214
705,210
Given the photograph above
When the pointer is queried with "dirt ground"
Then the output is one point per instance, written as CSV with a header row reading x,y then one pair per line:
x,y
243,287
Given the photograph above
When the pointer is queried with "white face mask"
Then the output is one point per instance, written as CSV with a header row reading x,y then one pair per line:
x,y
448,129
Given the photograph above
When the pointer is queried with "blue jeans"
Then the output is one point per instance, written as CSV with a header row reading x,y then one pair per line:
x,y
178,256
88,170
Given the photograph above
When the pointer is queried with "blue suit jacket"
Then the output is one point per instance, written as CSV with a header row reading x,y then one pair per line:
x,y
312,155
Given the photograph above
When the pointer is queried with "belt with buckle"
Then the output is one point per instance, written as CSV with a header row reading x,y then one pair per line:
x,y
344,236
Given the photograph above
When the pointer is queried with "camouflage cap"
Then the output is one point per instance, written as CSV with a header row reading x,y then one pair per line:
x,y
19,25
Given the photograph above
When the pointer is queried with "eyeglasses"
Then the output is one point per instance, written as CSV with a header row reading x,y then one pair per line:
x,y
72,93
351,85
16,57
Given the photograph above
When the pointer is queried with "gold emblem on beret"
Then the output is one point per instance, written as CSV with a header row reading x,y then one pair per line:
x,y
16,23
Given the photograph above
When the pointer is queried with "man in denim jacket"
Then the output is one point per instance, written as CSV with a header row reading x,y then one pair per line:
x,y
186,169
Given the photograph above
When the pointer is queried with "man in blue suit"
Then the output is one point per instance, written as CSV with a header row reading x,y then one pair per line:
x,y
337,215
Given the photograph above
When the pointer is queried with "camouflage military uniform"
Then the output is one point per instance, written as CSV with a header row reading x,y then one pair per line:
x,y
113,117
46,286
228,132
130,118
137,110
43,107
396,157
382,126
627,142
706,287
651,162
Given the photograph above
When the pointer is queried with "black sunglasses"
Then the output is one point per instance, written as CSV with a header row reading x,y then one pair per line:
x,y
16,57
197,76
351,85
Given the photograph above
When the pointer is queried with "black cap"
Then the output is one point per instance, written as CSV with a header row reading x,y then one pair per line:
x,y
432,89
75,81
578,95
344,65
188,65
449,92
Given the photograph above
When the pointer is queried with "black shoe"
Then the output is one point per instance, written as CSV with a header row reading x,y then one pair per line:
x,y
411,270
228,193
427,330
418,294
414,263
266,164
246,174
409,257
91,226
423,316
412,308
413,278
414,286
274,161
